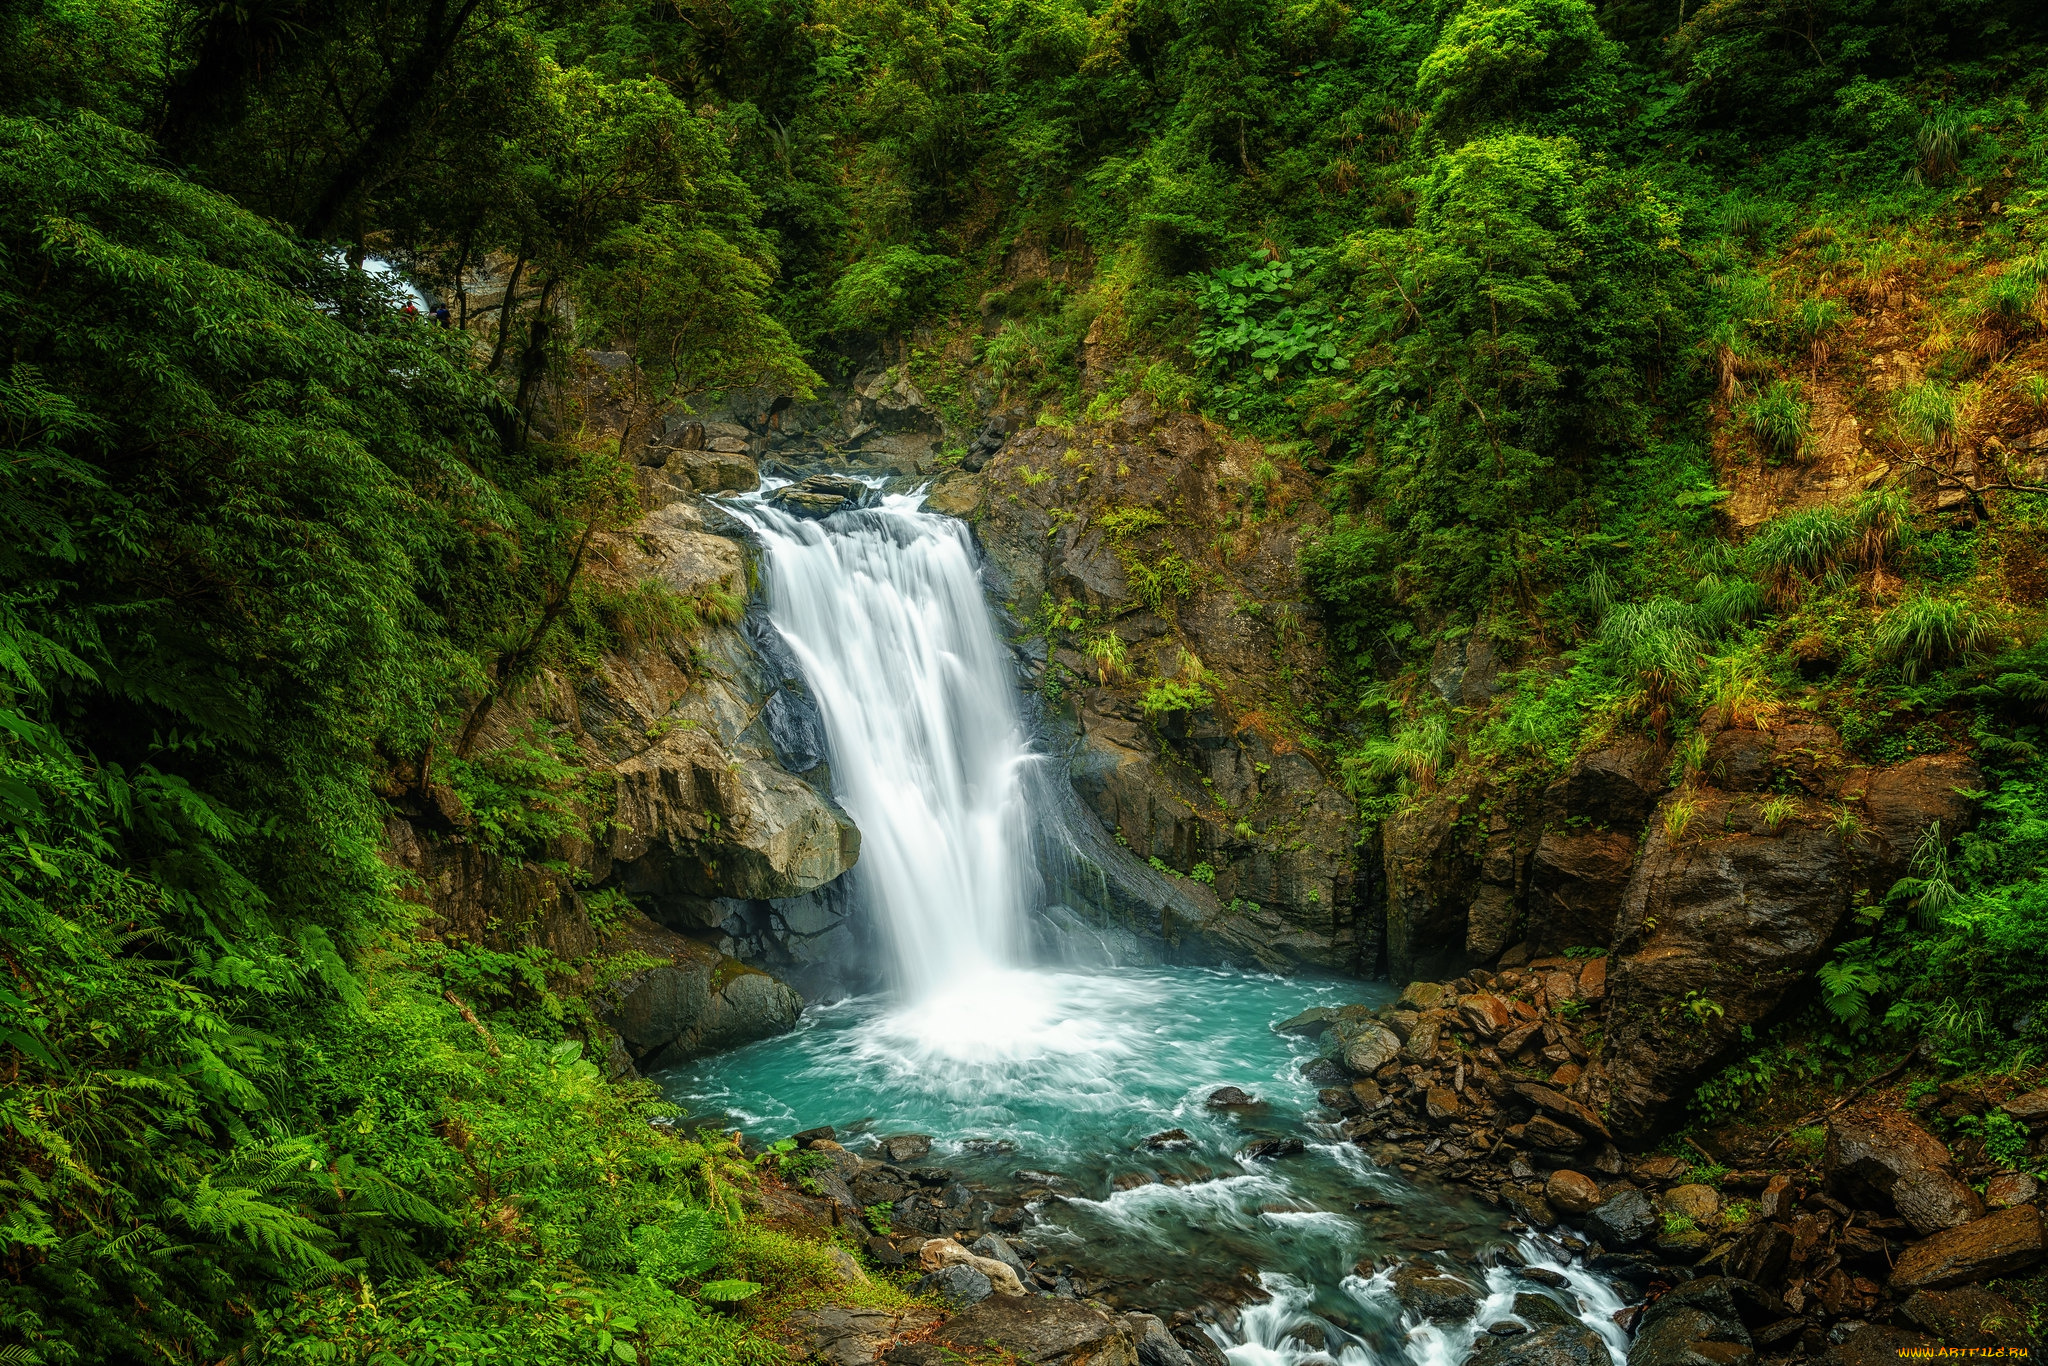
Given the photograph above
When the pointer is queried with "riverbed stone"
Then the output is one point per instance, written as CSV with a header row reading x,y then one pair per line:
x,y
2007,1189
1998,1245
1572,1193
844,1336
1373,1047
957,1284
1541,1311
1560,1344
902,1149
1880,1157
1969,1317
1701,1204
1230,1098
1624,1219
1697,1324
1041,1331
1432,1293
1421,996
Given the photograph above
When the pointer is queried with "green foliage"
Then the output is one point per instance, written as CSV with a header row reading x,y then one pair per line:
x,y
1927,412
1780,417
1165,696
887,291
1249,315
1925,631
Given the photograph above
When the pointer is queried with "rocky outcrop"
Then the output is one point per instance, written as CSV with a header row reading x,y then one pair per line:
x,y
1221,788
696,1000
1735,898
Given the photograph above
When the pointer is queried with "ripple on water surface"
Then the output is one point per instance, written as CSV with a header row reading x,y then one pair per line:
x,y
1068,1072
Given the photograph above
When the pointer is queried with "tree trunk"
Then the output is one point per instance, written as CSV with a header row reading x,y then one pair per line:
x,y
505,315
533,358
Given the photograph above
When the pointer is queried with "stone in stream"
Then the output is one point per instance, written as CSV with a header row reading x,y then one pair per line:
x,y
1309,1024
1542,1275
1541,1312
1230,1098
1558,1345
1701,1204
902,1148
1884,1159
821,495
1623,1220
1170,1138
1261,1148
1435,1294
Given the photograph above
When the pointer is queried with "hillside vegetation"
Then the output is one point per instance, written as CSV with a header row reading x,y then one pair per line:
x,y
1697,359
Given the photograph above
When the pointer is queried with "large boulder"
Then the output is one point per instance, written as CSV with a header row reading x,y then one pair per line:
x,y
1697,1324
695,1001
1724,914
1624,1219
1365,1046
1997,1245
1714,929
821,495
842,1336
1557,1344
1969,1317
956,1283
725,827
1041,1332
1881,1158
1903,801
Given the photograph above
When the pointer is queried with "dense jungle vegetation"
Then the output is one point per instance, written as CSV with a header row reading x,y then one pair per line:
x,y
1540,284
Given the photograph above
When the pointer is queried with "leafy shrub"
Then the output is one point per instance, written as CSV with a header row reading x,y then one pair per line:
x,y
1249,314
889,290
1167,696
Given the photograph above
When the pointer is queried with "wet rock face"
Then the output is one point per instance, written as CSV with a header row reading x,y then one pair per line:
x,y
696,1001
1716,929
1095,516
1883,1159
1725,912
820,495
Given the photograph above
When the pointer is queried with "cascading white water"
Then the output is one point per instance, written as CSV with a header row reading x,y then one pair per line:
x,y
883,608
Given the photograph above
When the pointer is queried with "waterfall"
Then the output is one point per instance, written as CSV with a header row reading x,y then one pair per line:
x,y
883,609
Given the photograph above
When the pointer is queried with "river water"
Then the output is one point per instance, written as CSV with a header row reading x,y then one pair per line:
x,y
1048,1080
